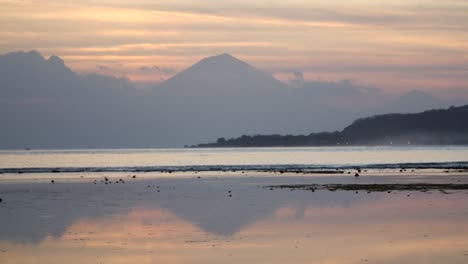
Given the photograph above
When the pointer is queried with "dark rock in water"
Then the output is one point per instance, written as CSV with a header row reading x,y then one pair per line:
x,y
106,179
52,181
356,175
1,200
359,170
198,177
229,191
134,176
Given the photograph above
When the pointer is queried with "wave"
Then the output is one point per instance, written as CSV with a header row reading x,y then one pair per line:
x,y
261,168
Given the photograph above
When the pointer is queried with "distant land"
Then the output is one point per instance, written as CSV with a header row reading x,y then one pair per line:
x,y
433,127
45,105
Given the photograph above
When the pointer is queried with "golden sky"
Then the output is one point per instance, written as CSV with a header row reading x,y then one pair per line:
x,y
394,45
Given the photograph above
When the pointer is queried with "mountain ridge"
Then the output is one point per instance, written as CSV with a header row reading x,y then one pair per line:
x,y
46,105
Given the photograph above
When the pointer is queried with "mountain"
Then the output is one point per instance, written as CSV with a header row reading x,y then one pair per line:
x,y
433,127
30,75
224,74
224,95
47,105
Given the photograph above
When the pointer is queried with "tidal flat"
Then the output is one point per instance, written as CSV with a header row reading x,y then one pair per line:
x,y
213,217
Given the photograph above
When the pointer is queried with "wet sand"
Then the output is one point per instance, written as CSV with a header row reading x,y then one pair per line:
x,y
234,217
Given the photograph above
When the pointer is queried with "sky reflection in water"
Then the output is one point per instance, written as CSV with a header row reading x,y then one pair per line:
x,y
254,226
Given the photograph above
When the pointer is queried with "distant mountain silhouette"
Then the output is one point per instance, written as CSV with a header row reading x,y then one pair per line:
x,y
222,73
434,127
47,105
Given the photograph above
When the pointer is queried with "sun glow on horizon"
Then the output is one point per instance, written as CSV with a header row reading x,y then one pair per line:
x,y
394,45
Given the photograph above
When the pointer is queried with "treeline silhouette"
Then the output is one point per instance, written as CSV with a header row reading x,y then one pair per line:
x,y
433,127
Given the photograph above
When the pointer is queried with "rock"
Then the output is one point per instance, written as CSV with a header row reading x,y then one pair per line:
x,y
356,175
52,181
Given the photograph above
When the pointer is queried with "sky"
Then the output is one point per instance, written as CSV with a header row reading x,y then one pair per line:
x,y
395,45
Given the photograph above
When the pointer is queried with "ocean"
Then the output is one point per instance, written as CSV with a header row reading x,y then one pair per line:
x,y
235,205
218,159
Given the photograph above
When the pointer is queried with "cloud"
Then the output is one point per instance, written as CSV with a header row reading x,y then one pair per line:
x,y
297,79
379,42
156,69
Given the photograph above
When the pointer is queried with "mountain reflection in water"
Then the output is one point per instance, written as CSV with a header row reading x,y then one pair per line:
x,y
193,222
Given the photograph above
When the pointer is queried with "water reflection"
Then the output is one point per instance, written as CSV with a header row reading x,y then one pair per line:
x,y
201,225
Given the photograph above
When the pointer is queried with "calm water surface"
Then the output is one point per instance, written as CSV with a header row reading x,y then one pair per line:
x,y
195,221
230,156
229,219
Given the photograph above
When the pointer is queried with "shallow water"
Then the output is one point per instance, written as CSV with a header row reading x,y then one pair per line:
x,y
230,217
154,159
193,220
